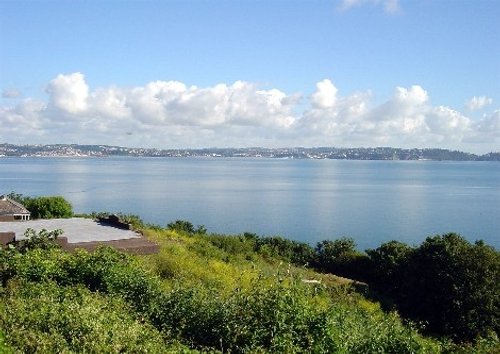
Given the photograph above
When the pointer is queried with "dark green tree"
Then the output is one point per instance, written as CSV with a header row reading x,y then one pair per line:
x,y
298,253
454,286
387,266
186,227
329,250
340,257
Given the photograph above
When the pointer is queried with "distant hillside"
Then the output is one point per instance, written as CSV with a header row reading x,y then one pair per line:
x,y
377,153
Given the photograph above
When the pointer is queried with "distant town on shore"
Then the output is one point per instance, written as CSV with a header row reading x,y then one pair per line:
x,y
376,153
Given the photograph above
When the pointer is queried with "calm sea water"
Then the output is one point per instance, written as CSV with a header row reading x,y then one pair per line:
x,y
305,200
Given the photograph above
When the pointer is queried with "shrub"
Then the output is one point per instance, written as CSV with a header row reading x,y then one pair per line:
x,y
42,240
235,246
48,207
388,264
340,257
453,285
186,227
4,347
298,253
47,318
447,283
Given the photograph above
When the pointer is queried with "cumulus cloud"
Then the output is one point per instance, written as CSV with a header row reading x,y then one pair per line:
x,y
325,95
389,6
167,114
476,103
69,93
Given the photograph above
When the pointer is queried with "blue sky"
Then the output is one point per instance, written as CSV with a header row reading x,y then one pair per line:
x,y
244,73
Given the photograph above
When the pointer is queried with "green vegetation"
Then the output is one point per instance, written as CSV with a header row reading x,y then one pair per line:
x,y
239,294
186,227
44,207
447,282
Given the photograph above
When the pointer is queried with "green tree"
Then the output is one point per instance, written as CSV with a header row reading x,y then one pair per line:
x,y
329,250
186,227
388,263
341,257
49,207
290,251
454,286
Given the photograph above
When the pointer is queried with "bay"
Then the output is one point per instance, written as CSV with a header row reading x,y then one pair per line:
x,y
305,200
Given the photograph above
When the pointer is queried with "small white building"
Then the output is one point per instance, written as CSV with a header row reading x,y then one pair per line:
x,y
10,210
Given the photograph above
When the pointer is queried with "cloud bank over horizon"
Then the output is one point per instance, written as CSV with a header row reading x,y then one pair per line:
x,y
171,114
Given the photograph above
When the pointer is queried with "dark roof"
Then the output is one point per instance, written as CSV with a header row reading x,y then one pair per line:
x,y
11,207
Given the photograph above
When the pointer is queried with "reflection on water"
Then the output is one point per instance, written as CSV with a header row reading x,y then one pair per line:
x,y
307,200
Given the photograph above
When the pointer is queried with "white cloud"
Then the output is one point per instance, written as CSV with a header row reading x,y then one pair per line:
x,y
403,104
168,114
110,102
325,95
69,93
476,103
490,124
390,6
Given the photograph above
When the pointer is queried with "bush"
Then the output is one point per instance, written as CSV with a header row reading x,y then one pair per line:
x,y
186,227
43,317
446,282
340,257
43,240
281,316
298,253
388,264
4,348
48,207
454,286
235,246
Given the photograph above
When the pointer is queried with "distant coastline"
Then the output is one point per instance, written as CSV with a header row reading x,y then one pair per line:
x,y
376,153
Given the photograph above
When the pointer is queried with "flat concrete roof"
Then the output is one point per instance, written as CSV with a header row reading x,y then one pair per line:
x,y
75,229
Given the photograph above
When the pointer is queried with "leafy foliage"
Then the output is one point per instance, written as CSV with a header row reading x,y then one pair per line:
x,y
42,240
186,227
4,348
446,282
454,286
63,319
48,207
387,267
340,257
298,253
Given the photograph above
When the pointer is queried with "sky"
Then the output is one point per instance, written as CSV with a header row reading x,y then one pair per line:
x,y
274,73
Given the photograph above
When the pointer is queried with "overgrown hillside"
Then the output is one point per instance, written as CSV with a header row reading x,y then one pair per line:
x,y
201,293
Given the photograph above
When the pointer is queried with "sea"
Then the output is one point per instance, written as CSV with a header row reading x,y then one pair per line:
x,y
305,200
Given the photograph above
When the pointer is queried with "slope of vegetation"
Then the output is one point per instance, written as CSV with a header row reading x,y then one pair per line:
x,y
201,293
